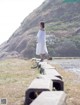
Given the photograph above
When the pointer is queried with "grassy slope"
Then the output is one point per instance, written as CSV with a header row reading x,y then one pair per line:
x,y
71,85
15,77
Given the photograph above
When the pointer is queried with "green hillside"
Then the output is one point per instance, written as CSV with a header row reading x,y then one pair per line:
x,y
62,21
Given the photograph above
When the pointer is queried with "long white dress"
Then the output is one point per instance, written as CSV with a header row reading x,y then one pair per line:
x,y
41,47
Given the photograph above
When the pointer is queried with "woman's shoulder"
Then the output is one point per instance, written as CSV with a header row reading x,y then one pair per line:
x,y
42,29
41,32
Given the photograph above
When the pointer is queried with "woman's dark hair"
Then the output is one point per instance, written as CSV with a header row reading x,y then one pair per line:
x,y
42,24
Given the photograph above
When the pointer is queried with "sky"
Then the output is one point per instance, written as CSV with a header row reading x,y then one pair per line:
x,y
12,13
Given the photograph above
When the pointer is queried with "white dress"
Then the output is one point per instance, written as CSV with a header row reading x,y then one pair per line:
x,y
41,43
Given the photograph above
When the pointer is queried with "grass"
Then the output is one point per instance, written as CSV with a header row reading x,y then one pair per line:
x,y
15,76
71,85
55,27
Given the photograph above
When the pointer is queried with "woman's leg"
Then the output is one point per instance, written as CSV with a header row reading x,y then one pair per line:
x,y
42,56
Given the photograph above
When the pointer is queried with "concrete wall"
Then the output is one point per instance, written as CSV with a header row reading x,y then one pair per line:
x,y
47,88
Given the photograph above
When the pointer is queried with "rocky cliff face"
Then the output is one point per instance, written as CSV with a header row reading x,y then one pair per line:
x,y
62,27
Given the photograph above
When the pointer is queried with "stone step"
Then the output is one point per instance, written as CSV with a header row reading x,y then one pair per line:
x,y
36,87
57,83
50,98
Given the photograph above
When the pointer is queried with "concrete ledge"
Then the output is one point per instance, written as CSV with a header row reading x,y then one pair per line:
x,y
47,88
50,98
45,65
37,86
57,83
47,69
50,72
39,64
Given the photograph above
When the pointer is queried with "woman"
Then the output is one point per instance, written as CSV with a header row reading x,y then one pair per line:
x,y
41,48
